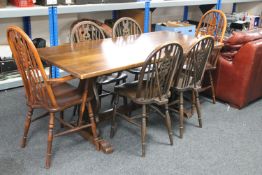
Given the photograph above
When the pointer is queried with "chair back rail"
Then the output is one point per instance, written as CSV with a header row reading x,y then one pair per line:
x,y
84,31
213,23
38,91
163,63
126,26
193,69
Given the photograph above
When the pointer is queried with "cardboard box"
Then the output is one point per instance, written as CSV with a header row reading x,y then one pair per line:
x,y
137,15
3,3
184,28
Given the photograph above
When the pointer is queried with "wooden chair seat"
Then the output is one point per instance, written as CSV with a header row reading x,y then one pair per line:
x,y
113,78
136,70
129,90
66,95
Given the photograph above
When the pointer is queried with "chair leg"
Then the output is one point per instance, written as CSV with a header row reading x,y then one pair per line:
x,y
168,124
136,77
193,102
114,95
50,140
93,125
113,121
75,109
181,114
124,98
99,91
62,118
198,110
27,125
143,130
212,87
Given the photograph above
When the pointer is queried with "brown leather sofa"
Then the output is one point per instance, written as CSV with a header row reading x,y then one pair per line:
x,y
238,77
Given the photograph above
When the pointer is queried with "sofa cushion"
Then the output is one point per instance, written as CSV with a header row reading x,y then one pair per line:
x,y
238,38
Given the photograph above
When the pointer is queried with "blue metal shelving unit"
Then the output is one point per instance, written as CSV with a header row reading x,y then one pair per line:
x,y
185,16
218,6
147,16
53,30
234,9
27,25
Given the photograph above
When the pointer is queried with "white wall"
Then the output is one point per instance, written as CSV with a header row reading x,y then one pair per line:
x,y
253,8
40,24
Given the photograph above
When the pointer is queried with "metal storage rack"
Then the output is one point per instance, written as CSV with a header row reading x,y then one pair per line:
x,y
52,11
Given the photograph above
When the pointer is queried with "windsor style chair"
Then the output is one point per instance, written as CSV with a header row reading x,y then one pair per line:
x,y
51,94
85,30
213,23
126,26
152,89
190,77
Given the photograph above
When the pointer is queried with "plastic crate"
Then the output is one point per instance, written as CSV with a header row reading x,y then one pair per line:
x,y
184,28
22,3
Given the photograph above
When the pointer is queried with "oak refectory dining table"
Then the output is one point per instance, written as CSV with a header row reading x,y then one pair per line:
x,y
90,59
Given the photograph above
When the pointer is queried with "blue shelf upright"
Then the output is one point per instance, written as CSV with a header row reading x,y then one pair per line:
x,y
147,16
185,16
53,30
27,25
234,9
218,6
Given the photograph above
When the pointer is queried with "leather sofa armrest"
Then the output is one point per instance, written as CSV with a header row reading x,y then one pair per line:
x,y
229,55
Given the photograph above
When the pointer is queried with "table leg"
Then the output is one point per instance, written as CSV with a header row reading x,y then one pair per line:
x,y
99,143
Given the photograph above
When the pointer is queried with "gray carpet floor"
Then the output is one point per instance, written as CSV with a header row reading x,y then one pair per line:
x,y
229,143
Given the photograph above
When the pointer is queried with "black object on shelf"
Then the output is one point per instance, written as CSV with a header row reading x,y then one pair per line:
x,y
205,8
45,2
7,65
239,25
39,42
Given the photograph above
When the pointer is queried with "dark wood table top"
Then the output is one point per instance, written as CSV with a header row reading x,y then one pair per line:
x,y
95,58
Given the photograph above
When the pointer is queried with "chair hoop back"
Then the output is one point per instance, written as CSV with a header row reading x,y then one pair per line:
x,y
126,26
194,67
163,63
84,31
38,91
214,23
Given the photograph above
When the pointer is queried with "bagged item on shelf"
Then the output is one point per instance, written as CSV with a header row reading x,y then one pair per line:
x,y
79,2
39,42
66,2
46,2
103,1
